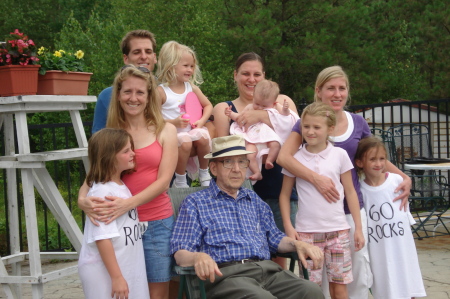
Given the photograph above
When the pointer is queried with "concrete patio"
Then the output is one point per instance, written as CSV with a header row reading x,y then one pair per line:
x,y
434,258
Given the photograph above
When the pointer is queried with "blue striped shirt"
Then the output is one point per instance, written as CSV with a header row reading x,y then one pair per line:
x,y
227,229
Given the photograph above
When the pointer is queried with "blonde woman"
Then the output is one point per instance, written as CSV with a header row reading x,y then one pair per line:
x,y
136,107
333,88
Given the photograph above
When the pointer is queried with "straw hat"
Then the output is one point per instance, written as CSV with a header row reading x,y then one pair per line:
x,y
227,146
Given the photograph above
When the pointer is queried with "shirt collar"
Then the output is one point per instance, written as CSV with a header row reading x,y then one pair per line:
x,y
216,191
323,154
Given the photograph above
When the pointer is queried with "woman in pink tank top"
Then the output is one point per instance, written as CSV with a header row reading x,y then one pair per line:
x,y
135,106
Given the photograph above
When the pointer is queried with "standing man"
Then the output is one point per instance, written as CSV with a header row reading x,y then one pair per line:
x,y
138,48
227,233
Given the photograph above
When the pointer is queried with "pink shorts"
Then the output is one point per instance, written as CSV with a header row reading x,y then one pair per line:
x,y
336,248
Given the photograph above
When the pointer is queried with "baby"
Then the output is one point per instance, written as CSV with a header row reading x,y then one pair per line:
x,y
265,138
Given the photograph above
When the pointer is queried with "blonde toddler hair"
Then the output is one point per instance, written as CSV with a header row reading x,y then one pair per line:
x,y
169,56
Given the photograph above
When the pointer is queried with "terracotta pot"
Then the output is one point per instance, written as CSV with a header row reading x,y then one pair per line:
x,y
18,80
62,83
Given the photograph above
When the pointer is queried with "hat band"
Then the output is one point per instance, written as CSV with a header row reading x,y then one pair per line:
x,y
233,148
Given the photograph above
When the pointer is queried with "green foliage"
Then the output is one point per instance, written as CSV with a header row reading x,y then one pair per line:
x,y
371,40
390,49
43,19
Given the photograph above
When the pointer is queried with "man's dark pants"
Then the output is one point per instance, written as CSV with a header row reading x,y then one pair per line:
x,y
260,280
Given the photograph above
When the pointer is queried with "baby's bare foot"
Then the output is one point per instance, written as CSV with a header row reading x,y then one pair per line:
x,y
269,165
256,176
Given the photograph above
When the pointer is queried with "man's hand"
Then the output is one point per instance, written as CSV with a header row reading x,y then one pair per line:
x,y
305,250
206,267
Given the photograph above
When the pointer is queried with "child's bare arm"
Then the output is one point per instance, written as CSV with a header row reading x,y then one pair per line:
x,y
118,282
178,122
285,206
353,205
206,104
231,114
285,110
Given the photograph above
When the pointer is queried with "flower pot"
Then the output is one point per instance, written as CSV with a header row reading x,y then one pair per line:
x,y
62,83
18,80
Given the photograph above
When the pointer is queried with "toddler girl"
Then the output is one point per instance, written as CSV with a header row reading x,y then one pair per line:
x,y
318,222
393,256
264,138
177,72
111,263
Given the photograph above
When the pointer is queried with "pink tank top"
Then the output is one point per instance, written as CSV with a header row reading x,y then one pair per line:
x,y
147,165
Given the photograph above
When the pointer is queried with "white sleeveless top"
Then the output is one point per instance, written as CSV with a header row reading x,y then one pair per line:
x,y
175,102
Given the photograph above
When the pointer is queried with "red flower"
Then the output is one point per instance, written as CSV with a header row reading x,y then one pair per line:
x,y
21,45
17,32
18,50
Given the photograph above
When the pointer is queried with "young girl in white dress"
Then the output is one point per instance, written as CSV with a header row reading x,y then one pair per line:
x,y
318,222
111,263
178,72
392,251
264,138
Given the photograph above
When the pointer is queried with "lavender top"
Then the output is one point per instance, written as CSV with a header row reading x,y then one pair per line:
x,y
357,130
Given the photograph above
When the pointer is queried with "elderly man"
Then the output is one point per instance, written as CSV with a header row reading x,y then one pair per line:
x,y
227,233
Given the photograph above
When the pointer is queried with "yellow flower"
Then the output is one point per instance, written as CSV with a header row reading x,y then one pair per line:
x,y
57,54
41,50
62,51
79,54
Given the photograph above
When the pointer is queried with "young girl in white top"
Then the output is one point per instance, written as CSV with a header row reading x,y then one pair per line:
x,y
318,222
178,71
392,251
264,138
111,263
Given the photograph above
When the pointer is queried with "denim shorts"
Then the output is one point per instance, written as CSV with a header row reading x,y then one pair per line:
x,y
275,207
158,260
